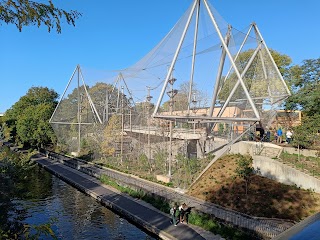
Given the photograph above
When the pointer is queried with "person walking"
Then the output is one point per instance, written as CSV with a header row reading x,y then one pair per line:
x,y
173,211
289,136
279,134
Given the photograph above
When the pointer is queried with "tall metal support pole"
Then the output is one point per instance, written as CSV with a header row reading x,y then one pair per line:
x,y
193,56
232,62
260,53
175,57
238,82
148,107
243,73
239,51
64,92
130,119
125,83
79,112
263,65
265,74
118,99
93,108
122,126
273,62
220,70
170,137
106,118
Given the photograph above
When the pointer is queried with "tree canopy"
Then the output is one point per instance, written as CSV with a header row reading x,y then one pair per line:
x,y
254,78
305,84
28,119
24,13
181,99
306,135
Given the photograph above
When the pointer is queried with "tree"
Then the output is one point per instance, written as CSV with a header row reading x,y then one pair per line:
x,y
254,78
160,156
28,119
24,13
244,169
98,95
181,99
307,134
1,133
112,135
305,83
33,128
283,63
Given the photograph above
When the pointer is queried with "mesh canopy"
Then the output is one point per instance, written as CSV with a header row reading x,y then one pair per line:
x,y
155,117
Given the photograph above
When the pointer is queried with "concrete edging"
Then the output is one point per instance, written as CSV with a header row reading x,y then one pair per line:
x,y
150,228
283,173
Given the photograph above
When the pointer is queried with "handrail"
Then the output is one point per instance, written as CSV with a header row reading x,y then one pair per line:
x,y
262,226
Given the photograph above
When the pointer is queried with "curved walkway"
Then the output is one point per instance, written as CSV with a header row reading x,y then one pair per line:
x,y
264,227
139,212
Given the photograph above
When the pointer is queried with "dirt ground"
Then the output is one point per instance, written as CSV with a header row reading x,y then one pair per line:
x,y
265,197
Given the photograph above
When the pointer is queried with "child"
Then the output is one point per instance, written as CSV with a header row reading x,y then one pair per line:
x,y
173,211
182,209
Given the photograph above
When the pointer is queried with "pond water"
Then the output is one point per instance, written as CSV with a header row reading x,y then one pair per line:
x,y
73,214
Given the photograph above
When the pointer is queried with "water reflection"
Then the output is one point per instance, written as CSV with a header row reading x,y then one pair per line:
x,y
75,215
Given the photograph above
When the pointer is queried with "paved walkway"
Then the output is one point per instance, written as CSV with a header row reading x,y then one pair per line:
x,y
265,227
137,211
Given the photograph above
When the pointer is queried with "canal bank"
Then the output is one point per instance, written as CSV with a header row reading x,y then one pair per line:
x,y
134,210
264,228
35,204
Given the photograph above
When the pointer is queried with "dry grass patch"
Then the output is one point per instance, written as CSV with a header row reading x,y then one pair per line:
x,y
265,198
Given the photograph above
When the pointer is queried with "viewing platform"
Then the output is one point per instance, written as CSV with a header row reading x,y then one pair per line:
x,y
178,133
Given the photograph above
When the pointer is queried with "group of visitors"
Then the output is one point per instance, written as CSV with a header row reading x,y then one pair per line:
x,y
182,213
279,134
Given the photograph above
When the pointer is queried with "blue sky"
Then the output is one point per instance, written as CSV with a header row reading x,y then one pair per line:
x,y
116,34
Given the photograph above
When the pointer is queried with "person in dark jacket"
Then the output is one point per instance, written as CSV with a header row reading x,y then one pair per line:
x,y
173,211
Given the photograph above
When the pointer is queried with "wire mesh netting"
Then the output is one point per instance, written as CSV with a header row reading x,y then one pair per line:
x,y
201,87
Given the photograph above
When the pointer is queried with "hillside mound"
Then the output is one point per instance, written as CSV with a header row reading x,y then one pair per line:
x,y
264,198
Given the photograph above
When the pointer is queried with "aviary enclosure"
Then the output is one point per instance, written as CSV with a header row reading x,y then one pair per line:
x,y
202,88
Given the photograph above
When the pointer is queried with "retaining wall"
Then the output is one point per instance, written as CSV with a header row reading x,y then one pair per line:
x,y
285,174
304,152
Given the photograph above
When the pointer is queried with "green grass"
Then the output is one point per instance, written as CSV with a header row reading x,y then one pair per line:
x,y
311,165
226,231
204,221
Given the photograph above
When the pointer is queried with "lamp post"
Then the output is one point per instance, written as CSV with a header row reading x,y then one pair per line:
x,y
130,113
148,99
172,93
79,120
194,110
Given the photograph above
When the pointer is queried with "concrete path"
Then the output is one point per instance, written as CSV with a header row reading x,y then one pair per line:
x,y
137,211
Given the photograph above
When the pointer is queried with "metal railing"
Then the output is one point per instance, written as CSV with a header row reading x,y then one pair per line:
x,y
265,227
